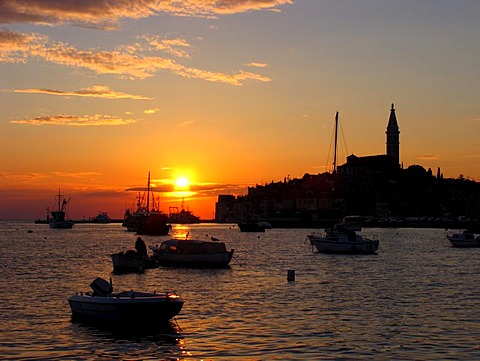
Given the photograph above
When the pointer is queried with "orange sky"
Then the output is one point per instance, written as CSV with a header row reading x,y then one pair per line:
x,y
228,95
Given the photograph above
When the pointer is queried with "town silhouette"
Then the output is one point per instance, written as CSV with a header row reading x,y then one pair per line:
x,y
376,188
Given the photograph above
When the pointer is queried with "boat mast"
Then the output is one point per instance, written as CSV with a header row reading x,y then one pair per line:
x,y
335,151
334,168
148,193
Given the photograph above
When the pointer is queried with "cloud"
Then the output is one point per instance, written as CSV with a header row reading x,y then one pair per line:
x,y
106,14
427,156
73,120
17,47
176,47
257,65
77,174
201,189
96,91
151,111
185,123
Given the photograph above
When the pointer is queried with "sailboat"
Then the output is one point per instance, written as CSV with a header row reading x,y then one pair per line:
x,y
58,216
339,238
146,220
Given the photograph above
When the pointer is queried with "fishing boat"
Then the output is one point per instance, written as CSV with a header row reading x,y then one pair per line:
x,y
464,239
192,253
183,216
147,220
339,238
125,308
58,215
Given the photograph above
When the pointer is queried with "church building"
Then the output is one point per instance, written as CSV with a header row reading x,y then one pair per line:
x,y
367,165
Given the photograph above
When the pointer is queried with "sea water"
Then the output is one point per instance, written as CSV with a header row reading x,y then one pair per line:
x,y
418,298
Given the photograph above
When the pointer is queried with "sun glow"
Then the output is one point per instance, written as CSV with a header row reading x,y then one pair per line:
x,y
182,183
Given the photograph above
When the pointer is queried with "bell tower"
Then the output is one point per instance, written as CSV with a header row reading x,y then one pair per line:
x,y
393,136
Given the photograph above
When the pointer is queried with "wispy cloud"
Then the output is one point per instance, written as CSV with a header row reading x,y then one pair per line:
x,y
73,120
151,111
96,91
106,14
77,174
427,156
186,123
18,47
257,65
177,47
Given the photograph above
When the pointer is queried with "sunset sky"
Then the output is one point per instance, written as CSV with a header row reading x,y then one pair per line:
x,y
95,94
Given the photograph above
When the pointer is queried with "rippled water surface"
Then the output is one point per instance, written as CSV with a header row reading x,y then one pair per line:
x,y
417,299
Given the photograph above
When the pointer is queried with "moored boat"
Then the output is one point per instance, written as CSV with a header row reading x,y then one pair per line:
x,y
58,219
136,260
343,241
342,238
192,253
127,307
146,220
464,239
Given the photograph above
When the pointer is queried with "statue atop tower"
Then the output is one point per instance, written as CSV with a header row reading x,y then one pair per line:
x,y
393,136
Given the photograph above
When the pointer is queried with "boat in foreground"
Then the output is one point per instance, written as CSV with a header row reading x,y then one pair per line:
x,y
343,241
464,239
192,253
128,307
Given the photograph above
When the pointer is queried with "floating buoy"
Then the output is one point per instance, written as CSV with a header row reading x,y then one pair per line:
x,y
291,275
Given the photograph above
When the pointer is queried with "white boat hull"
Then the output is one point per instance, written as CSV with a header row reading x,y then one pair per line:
x,y
464,240
192,253
128,307
215,260
343,244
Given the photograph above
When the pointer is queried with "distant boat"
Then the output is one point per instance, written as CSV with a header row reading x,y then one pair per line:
x,y
146,220
192,253
341,238
102,217
124,308
253,226
58,216
464,239
183,216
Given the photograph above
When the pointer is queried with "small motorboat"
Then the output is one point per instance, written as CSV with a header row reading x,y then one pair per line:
x,y
464,239
136,260
340,240
131,261
192,253
128,307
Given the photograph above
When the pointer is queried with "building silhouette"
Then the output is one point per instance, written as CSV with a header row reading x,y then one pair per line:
x,y
374,186
393,136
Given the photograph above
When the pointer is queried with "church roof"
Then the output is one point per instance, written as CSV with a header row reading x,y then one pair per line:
x,y
392,121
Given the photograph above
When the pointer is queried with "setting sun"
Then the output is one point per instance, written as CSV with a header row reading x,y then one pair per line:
x,y
182,182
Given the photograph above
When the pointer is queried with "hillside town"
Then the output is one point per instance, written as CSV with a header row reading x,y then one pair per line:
x,y
376,188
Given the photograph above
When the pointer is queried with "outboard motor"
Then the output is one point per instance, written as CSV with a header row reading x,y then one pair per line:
x,y
101,287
